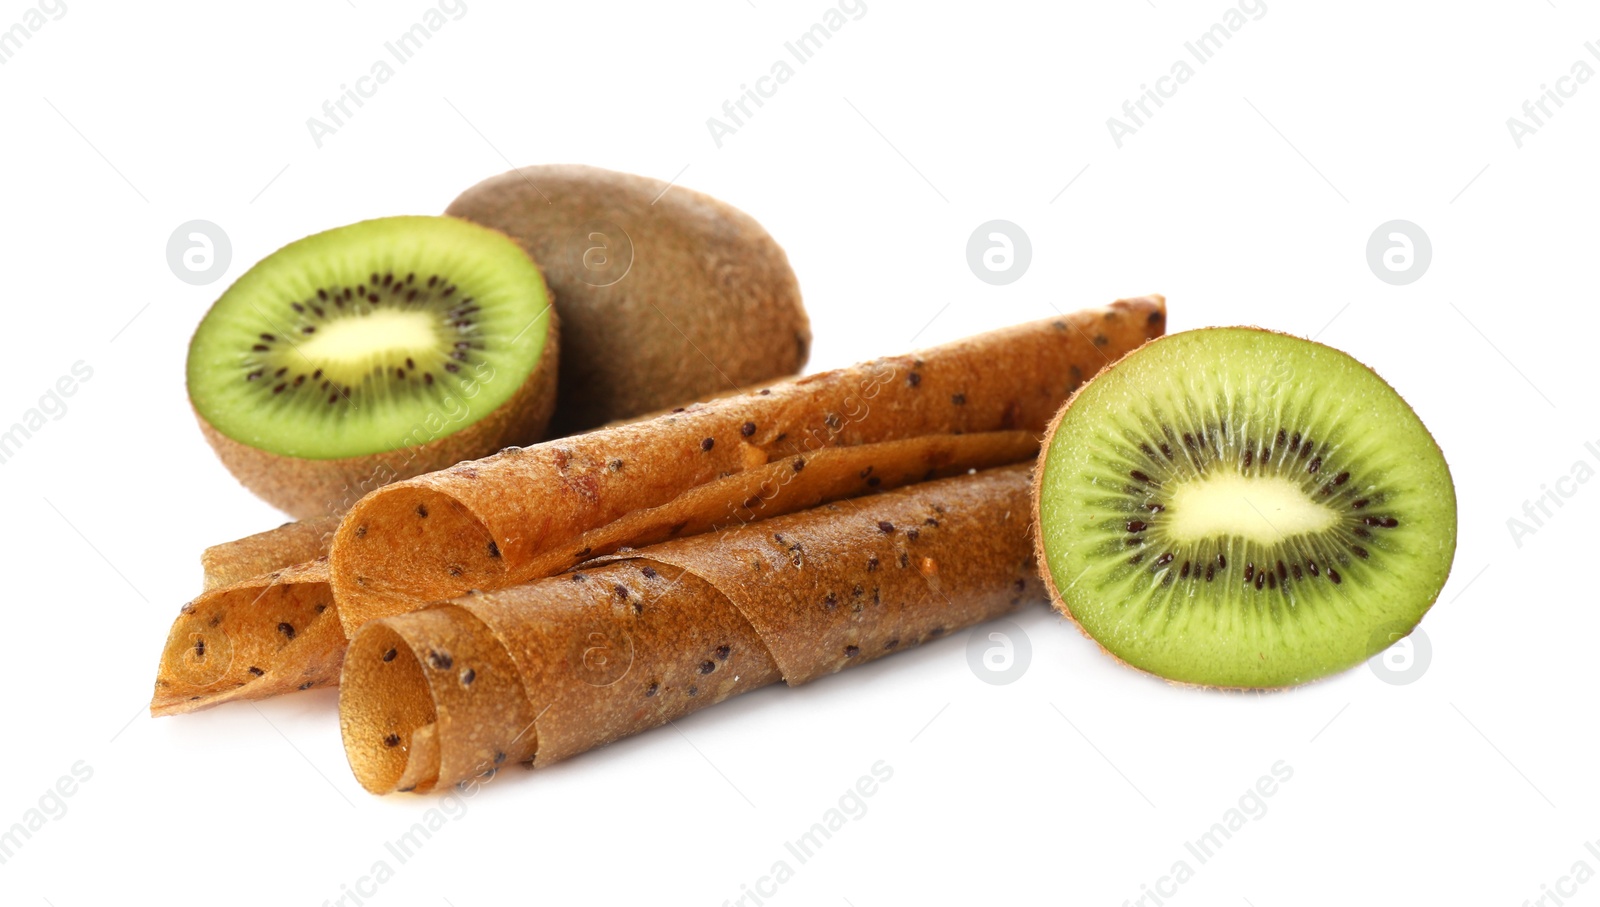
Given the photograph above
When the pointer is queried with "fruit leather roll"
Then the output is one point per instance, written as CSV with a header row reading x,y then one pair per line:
x,y
280,631
519,515
547,670
263,625
259,637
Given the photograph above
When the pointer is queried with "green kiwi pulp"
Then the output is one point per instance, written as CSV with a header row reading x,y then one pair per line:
x,y
343,343
1238,508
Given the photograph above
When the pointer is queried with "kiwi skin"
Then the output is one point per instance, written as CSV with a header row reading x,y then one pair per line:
x,y
306,488
709,304
1059,603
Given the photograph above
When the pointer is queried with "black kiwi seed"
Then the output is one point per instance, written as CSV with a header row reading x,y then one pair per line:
x,y
306,318
1271,568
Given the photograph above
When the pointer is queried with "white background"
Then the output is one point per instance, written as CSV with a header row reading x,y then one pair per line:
x,y
1248,198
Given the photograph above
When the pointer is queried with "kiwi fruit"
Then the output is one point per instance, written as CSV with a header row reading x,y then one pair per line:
x,y
1238,508
666,295
371,353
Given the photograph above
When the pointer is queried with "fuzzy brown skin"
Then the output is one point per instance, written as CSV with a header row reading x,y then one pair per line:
x,y
519,515
308,489
551,669
709,303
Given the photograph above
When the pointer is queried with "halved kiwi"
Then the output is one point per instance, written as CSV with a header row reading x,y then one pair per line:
x,y
1238,508
374,352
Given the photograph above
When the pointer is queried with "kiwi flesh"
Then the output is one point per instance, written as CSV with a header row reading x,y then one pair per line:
x,y
666,295
371,353
1238,508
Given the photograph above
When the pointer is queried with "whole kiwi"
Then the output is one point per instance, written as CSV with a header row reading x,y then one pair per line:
x,y
666,295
